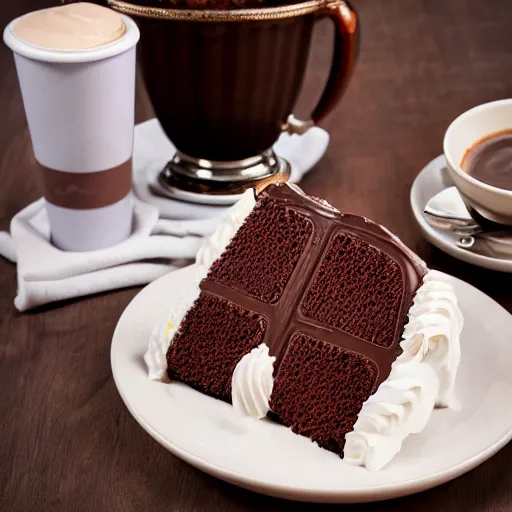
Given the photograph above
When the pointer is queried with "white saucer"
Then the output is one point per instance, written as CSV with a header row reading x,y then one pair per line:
x,y
268,458
431,180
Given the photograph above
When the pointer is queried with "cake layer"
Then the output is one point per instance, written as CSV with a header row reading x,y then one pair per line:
x,y
214,335
320,388
357,289
251,265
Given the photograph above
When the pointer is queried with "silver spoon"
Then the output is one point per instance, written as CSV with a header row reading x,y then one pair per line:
x,y
447,211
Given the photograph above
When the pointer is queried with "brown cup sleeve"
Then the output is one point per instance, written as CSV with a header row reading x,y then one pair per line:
x,y
85,191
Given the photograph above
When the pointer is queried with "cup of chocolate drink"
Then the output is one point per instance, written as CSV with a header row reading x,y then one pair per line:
x,y
76,69
224,77
478,151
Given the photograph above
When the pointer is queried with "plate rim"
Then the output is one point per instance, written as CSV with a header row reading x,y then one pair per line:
x,y
431,234
373,493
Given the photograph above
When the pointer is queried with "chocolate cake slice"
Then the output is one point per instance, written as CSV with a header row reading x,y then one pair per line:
x,y
301,314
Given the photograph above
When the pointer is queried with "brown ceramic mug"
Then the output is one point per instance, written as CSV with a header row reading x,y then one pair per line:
x,y
224,83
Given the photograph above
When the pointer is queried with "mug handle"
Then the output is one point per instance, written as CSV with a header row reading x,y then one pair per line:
x,y
346,38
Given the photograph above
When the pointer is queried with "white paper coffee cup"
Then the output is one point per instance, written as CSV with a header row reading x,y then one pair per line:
x,y
80,111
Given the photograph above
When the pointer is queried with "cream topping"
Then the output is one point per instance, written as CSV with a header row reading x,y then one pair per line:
x,y
401,406
433,333
252,382
163,333
421,378
228,226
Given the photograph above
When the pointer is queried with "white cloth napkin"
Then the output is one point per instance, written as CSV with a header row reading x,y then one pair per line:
x,y
166,233
47,274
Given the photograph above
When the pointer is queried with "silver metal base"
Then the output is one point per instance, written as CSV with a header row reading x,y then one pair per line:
x,y
206,181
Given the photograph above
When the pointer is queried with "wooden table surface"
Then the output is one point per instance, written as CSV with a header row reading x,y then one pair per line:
x,y
67,443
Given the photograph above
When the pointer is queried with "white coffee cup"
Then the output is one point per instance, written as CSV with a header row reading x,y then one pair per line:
x,y
464,132
80,111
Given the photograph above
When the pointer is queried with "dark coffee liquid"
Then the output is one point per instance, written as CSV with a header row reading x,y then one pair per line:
x,y
490,160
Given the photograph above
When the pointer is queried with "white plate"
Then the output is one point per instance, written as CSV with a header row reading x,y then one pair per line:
x,y
431,180
268,458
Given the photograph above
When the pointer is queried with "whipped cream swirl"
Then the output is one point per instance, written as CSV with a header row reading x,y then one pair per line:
x,y
213,247
421,378
433,333
252,382
401,406
163,333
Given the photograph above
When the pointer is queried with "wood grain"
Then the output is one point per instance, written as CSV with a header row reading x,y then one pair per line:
x,y
67,441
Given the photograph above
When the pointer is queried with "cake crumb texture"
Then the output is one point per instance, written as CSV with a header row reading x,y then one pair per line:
x,y
319,390
214,335
358,289
262,256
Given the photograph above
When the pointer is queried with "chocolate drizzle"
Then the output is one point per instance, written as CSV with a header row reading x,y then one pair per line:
x,y
285,318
